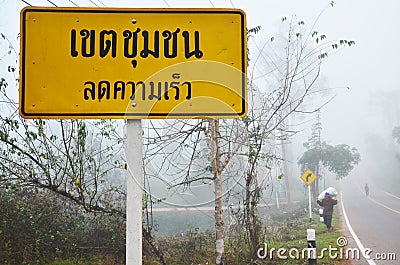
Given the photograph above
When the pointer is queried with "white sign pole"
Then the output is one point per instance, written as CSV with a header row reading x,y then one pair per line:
x,y
134,158
309,201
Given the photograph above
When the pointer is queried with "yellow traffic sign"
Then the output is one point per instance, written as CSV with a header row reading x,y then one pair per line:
x,y
308,177
133,63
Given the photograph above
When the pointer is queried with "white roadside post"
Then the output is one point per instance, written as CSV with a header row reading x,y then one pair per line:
x,y
312,247
321,216
134,158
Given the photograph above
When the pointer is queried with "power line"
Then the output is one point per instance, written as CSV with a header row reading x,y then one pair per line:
x,y
232,4
101,2
166,3
94,3
52,3
73,3
211,3
26,2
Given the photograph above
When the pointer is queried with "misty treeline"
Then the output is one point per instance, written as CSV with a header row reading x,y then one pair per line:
x,y
63,181
396,136
339,159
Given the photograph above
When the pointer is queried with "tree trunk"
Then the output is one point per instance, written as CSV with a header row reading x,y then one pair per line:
x,y
317,181
252,220
248,212
153,244
286,174
219,222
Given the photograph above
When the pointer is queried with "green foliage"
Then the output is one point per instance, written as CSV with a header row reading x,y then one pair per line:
x,y
254,30
309,157
82,134
3,84
39,228
285,230
339,159
322,50
69,157
251,32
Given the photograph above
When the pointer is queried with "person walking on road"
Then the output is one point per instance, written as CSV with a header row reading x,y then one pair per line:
x,y
327,203
366,189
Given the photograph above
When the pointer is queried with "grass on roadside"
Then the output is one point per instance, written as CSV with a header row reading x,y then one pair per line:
x,y
93,260
293,239
288,230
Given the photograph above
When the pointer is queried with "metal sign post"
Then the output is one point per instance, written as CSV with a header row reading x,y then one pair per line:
x,y
134,158
309,177
309,202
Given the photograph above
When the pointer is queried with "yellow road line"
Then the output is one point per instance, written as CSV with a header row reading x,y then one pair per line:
x,y
391,195
384,206
379,203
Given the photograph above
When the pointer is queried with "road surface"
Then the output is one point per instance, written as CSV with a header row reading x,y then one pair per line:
x,y
373,222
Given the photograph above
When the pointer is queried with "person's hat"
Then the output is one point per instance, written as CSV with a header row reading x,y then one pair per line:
x,y
327,194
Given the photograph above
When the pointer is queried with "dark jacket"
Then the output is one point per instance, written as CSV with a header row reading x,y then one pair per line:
x,y
327,203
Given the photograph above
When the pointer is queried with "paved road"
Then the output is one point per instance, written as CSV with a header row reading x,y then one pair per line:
x,y
375,219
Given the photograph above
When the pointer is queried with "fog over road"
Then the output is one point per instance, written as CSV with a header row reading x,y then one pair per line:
x,y
375,219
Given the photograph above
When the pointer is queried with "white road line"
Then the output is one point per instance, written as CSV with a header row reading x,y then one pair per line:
x,y
353,234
